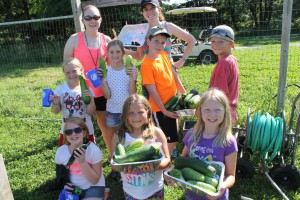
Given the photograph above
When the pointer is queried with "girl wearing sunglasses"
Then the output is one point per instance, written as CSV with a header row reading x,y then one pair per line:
x,y
88,46
86,170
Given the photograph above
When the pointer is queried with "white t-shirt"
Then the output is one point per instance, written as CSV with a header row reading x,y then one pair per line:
x,y
93,155
72,105
141,185
118,83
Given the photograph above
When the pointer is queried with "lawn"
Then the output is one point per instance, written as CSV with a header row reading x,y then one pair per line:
x,y
29,132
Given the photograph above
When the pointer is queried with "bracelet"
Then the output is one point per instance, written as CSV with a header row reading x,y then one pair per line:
x,y
184,58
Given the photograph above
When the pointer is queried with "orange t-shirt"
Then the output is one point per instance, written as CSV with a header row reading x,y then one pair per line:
x,y
159,72
89,58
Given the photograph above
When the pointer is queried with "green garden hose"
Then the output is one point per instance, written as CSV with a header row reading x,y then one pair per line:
x,y
265,134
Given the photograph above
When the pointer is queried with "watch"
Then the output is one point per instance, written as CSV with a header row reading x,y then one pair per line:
x,y
184,58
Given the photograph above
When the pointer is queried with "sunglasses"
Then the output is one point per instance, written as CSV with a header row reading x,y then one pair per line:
x,y
89,18
77,130
222,33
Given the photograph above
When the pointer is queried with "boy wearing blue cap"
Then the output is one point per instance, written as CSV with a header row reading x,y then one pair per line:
x,y
225,75
157,76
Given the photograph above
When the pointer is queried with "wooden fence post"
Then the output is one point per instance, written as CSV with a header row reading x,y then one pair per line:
x,y
77,15
5,191
284,55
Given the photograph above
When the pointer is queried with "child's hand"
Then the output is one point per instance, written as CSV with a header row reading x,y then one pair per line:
x,y
148,167
80,155
69,187
171,114
99,73
221,190
128,170
55,99
88,93
129,71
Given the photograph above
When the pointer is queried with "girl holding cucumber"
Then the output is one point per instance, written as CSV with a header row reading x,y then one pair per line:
x,y
211,139
67,98
86,170
137,123
117,84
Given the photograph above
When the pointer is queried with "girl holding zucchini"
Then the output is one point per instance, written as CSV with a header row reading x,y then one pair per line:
x,y
68,98
137,123
211,139
84,161
117,83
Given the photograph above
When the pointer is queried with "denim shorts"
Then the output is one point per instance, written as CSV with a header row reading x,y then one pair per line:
x,y
113,119
94,191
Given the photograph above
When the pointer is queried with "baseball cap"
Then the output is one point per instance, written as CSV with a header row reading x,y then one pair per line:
x,y
156,30
223,32
153,2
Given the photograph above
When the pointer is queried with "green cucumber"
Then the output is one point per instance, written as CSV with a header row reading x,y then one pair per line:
x,y
102,65
198,165
177,174
72,158
204,186
212,181
83,87
194,101
128,61
173,100
142,154
190,174
120,150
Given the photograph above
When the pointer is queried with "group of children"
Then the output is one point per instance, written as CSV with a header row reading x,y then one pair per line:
x,y
130,116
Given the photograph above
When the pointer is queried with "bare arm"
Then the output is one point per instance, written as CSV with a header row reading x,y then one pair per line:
x,y
55,106
132,81
137,55
91,171
114,142
162,138
153,93
70,46
183,35
105,88
178,82
184,152
91,107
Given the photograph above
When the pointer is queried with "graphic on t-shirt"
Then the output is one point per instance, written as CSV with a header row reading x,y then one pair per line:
x,y
141,179
201,153
73,105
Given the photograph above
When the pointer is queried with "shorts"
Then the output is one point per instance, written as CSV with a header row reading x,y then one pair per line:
x,y
145,92
100,103
94,191
167,125
156,195
113,119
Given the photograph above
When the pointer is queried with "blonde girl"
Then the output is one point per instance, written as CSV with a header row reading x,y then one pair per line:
x,y
211,139
67,98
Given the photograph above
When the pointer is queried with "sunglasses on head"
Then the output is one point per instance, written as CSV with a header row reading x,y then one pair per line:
x,y
77,130
221,32
89,18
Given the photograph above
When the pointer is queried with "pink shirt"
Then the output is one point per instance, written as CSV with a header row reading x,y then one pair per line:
x,y
89,58
225,77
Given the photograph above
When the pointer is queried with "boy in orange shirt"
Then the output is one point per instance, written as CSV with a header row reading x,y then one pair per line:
x,y
225,75
157,76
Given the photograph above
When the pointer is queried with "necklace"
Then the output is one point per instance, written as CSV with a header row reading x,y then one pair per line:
x,y
95,62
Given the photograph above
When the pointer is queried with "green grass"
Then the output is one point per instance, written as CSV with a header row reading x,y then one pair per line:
x,y
29,132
